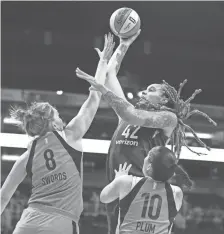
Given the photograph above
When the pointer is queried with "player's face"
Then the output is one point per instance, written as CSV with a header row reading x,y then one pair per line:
x,y
57,122
146,166
154,93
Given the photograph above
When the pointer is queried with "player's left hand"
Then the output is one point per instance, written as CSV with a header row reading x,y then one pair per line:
x,y
122,170
95,85
107,51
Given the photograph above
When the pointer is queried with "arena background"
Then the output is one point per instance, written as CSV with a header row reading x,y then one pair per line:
x,y
42,43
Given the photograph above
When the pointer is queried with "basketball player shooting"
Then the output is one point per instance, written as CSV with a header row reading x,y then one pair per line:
x,y
157,118
54,163
147,204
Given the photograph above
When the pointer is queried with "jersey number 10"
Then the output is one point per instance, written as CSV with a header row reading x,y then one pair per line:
x,y
151,204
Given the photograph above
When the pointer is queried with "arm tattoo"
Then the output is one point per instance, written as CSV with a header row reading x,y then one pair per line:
x,y
120,55
161,120
118,104
150,119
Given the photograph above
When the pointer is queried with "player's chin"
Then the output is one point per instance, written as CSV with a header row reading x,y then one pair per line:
x,y
141,104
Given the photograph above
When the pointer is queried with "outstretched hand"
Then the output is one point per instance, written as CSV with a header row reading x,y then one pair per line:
x,y
130,40
107,51
122,170
95,85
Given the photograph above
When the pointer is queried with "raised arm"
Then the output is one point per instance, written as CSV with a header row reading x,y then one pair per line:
x,y
15,177
121,183
112,81
111,191
79,125
150,119
120,52
114,65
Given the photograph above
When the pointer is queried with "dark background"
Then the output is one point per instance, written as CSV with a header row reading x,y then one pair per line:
x,y
186,41
44,42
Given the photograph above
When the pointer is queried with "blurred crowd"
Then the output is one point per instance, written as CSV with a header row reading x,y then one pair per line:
x,y
198,219
192,219
12,212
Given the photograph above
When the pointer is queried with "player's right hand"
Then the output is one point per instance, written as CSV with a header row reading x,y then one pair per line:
x,y
130,40
107,52
122,170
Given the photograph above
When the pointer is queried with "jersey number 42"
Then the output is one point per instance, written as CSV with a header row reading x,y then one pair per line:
x,y
131,133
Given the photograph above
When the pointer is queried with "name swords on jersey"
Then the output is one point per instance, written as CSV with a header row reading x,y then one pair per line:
x,y
54,178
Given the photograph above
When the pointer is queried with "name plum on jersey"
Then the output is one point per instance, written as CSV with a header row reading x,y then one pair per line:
x,y
146,227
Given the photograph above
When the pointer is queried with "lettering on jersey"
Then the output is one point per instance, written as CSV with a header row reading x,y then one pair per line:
x,y
145,227
53,178
153,203
126,142
129,133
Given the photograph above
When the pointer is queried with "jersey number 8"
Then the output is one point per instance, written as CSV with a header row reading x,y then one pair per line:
x,y
127,134
49,159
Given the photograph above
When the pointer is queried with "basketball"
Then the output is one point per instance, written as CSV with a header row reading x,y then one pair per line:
x,y
125,22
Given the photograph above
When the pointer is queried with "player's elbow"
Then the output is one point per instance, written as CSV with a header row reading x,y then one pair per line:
x,y
161,120
103,197
170,121
107,196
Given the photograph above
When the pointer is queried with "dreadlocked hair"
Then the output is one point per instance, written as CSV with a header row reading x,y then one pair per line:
x,y
181,174
183,111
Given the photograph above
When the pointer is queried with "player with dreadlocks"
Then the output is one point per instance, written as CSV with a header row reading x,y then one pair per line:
x,y
155,120
182,109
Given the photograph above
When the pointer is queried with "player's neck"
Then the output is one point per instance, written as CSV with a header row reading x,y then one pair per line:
x,y
149,177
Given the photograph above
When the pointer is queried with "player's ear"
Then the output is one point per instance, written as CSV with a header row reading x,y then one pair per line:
x,y
149,169
54,125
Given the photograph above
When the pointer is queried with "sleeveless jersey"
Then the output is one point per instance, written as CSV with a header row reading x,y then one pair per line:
x,y
56,172
131,144
149,208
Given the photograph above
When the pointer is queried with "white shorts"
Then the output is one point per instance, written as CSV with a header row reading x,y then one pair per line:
x,y
34,221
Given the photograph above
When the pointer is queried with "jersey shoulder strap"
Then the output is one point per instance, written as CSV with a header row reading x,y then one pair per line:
x,y
30,159
71,151
171,202
128,199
